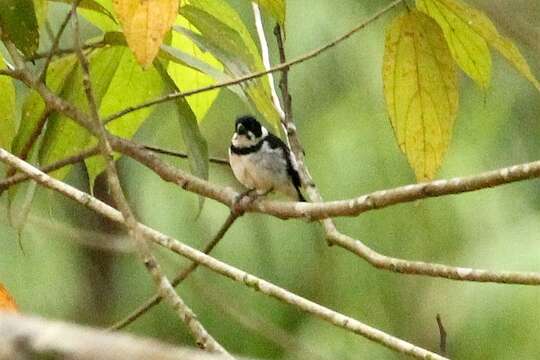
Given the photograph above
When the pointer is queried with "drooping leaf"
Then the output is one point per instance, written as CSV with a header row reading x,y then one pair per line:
x,y
196,145
101,15
223,33
130,86
420,88
19,24
33,108
145,24
482,25
469,49
7,109
187,78
179,57
63,136
7,303
275,7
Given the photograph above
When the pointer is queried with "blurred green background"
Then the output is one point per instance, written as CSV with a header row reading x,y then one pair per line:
x,y
79,268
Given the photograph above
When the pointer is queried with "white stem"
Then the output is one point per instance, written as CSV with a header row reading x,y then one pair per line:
x,y
266,58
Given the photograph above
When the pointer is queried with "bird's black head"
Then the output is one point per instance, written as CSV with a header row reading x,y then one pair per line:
x,y
249,127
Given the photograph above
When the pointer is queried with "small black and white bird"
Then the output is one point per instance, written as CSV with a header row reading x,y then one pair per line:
x,y
261,161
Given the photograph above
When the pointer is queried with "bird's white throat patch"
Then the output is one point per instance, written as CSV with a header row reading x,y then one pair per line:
x,y
243,141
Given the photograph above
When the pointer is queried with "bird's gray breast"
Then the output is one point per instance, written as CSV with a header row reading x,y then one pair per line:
x,y
262,170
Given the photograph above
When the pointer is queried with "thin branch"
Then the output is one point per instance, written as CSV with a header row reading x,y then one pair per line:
x,y
263,286
56,42
156,299
255,75
68,51
84,154
183,155
442,335
18,178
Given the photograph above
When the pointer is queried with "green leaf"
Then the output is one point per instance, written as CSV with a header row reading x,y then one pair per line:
x,y
19,24
482,25
275,7
33,108
187,78
99,13
179,57
7,109
469,49
420,88
131,85
63,136
223,33
196,146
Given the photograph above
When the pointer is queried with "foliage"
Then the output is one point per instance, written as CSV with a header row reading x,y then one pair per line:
x,y
148,49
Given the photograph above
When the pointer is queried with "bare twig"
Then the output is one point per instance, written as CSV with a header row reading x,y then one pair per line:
x,y
183,155
84,154
156,299
69,51
56,41
442,335
197,330
18,178
222,268
255,75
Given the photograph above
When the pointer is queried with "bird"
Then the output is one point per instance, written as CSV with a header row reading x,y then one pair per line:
x,y
261,161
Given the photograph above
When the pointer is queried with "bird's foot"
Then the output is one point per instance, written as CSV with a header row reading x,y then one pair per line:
x,y
244,199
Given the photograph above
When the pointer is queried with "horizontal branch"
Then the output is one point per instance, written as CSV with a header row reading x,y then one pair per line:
x,y
18,178
25,337
263,286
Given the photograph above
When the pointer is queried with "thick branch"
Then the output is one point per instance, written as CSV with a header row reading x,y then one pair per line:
x,y
222,268
24,337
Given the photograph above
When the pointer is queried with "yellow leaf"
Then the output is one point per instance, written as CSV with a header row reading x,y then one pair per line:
x,y
482,25
469,49
145,23
6,301
420,88
187,78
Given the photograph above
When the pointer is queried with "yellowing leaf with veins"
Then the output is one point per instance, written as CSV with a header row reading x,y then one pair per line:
x,y
186,78
420,88
469,49
145,23
480,24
